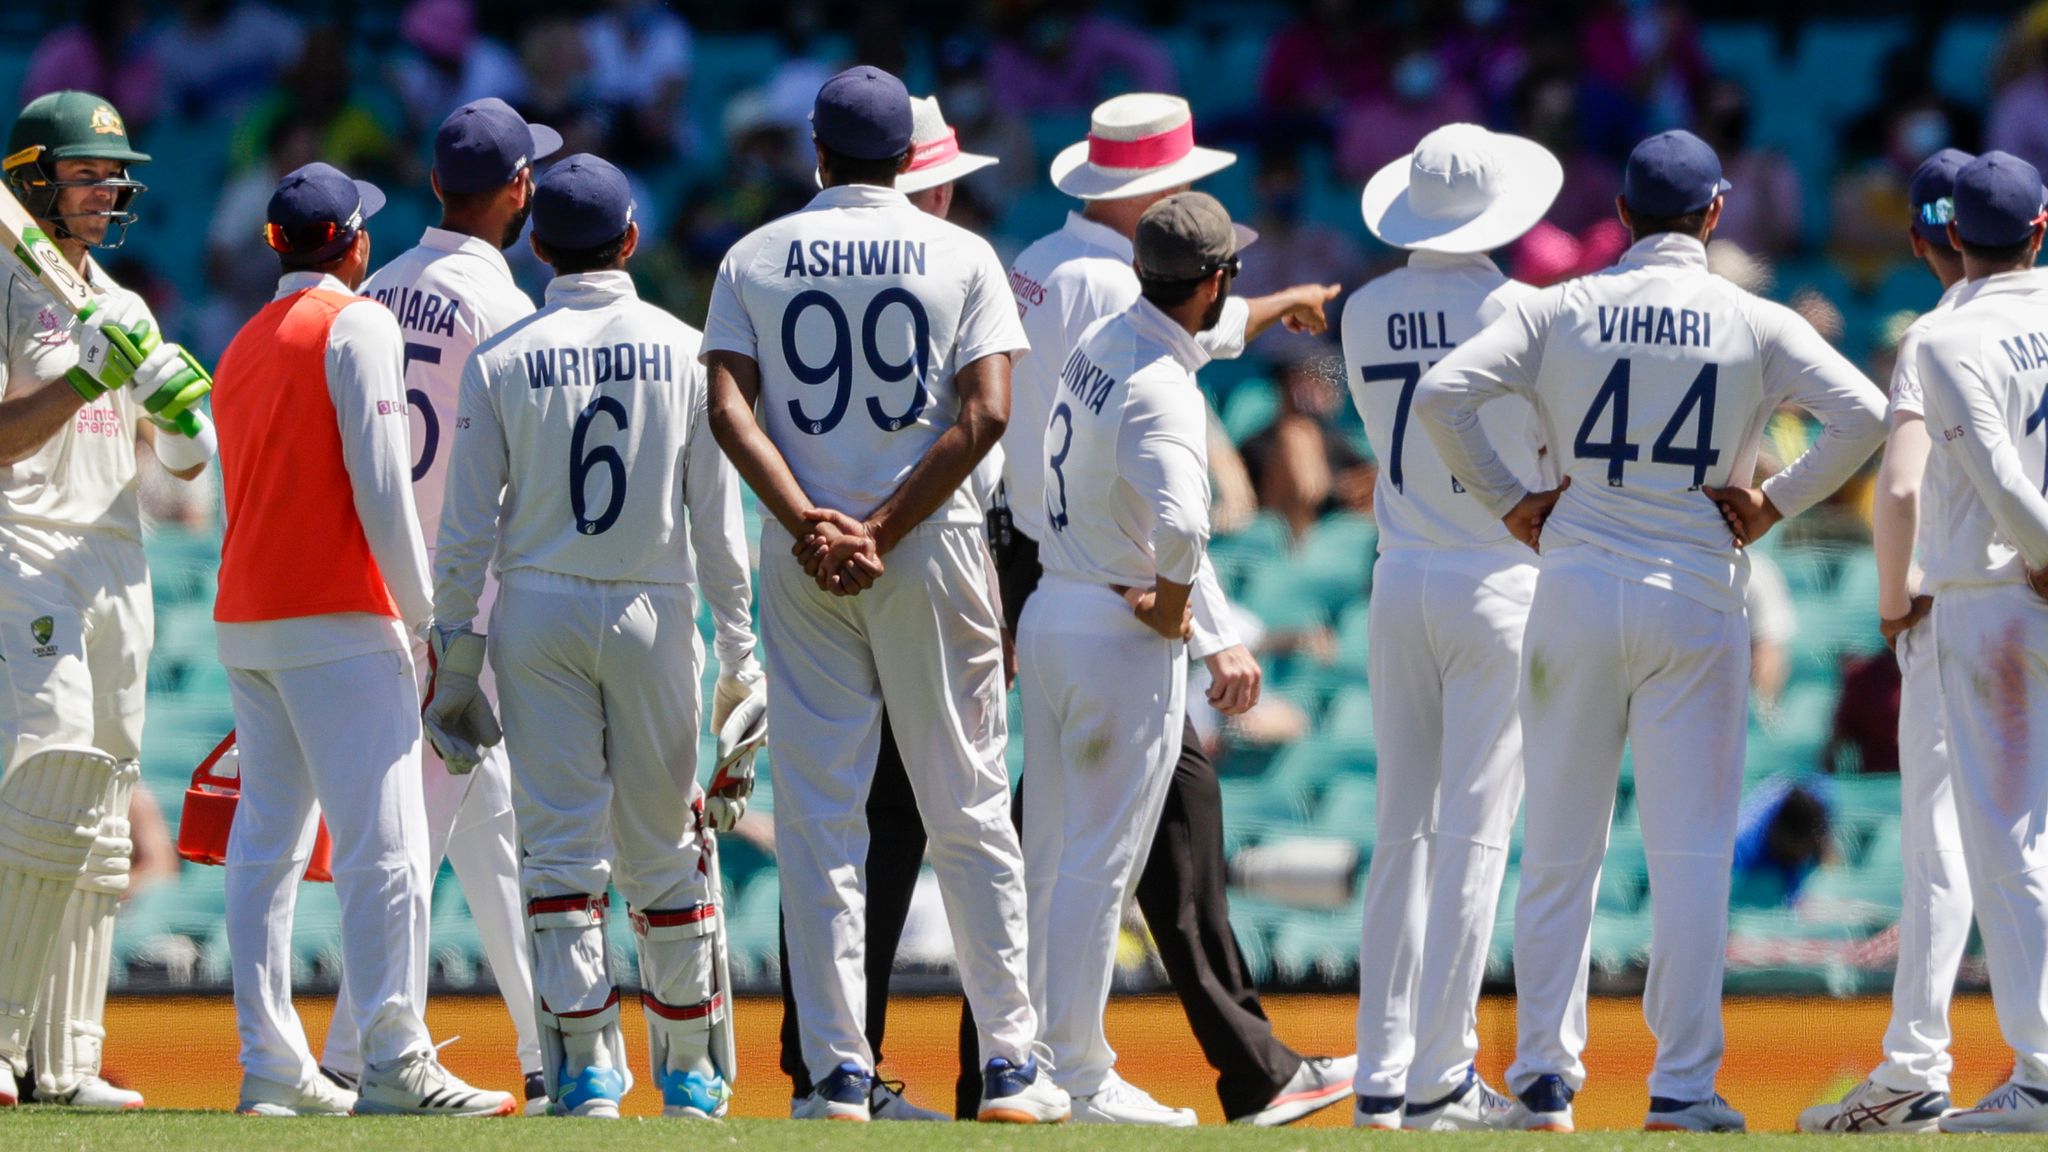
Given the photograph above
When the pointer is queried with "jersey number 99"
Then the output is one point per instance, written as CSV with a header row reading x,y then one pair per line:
x,y
837,369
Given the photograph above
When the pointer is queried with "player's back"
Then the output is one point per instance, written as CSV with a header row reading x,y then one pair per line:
x,y
450,294
597,396
1653,383
1395,327
859,310
1995,336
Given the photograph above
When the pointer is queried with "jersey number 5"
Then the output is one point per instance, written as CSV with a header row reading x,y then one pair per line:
x,y
1612,401
581,462
838,367
430,431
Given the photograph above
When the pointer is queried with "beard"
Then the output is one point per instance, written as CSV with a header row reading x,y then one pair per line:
x,y
1214,315
516,225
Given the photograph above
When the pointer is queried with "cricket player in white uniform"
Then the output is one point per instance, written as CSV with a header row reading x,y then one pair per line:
x,y
1140,149
1908,1092
582,457
451,293
1450,599
876,340
1654,380
75,612
323,592
1101,651
1984,369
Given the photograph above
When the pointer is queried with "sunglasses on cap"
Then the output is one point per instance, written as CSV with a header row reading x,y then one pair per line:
x,y
1939,212
304,238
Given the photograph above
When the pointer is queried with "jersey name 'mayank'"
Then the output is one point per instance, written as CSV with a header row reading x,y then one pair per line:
x,y
2027,351
1651,324
587,367
1090,385
854,258
419,311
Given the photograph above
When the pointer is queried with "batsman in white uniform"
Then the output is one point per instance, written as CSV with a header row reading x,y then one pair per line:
x,y
581,457
1450,598
1984,368
76,618
451,293
1654,381
876,340
1908,1092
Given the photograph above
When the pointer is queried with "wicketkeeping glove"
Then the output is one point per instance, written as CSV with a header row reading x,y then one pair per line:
x,y
742,735
733,688
458,718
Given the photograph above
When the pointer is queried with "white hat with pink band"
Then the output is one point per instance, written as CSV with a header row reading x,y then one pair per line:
x,y
935,155
1137,144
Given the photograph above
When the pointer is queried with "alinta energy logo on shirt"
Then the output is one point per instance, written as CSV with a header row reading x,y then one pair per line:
x,y
42,628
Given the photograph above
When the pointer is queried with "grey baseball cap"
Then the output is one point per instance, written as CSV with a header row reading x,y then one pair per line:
x,y
1187,236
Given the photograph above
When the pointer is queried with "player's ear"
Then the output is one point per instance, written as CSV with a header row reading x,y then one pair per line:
x,y
632,242
539,253
903,161
434,178
1918,242
1955,238
1621,210
1714,216
824,170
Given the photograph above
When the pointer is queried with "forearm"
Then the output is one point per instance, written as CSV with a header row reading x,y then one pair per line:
x,y
1214,629
1265,311
735,381
1895,514
984,388
1171,597
27,422
468,532
1450,415
718,536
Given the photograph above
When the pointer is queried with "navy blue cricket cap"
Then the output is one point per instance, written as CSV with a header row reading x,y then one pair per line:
x,y
1673,173
1998,200
1931,193
582,202
864,113
484,144
316,212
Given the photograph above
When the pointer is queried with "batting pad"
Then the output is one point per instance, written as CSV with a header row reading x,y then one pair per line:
x,y
51,807
678,950
578,1005
69,1035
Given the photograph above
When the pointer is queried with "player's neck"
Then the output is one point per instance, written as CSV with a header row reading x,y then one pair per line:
x,y
1119,216
478,227
77,253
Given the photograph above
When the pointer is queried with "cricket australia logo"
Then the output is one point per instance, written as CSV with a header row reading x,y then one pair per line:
x,y
106,122
42,628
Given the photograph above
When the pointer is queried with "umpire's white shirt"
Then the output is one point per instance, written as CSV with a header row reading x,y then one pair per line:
x,y
365,382
859,310
1125,456
1652,378
450,293
1395,328
1984,366
582,446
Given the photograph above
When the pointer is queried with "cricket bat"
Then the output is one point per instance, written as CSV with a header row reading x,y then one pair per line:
x,y
724,1034
40,257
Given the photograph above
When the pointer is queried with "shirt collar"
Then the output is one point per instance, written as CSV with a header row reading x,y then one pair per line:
x,y
1149,321
444,240
1472,260
1665,250
2020,280
591,289
292,282
1100,236
858,196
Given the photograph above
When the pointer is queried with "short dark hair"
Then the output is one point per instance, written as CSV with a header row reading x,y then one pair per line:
x,y
1997,254
1693,224
854,170
463,203
569,261
1169,294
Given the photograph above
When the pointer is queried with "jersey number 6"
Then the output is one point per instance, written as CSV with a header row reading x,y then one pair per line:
x,y
581,462
838,368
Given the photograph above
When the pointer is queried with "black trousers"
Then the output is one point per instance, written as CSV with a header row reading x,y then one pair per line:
x,y
895,853
1182,893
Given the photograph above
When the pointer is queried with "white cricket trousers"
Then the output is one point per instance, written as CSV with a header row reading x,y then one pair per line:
x,y
340,739
1445,667
1992,646
602,708
924,640
1935,906
1104,701
1608,661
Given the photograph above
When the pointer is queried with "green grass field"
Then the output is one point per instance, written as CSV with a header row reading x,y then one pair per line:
x,y
40,1129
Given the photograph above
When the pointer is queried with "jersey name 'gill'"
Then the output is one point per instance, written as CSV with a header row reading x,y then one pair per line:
x,y
854,258
1411,330
1650,324
580,367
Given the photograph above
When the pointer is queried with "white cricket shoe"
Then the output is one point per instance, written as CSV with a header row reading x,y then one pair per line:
x,y
1382,1113
887,1102
1471,1107
1710,1115
1544,1106
417,1085
322,1097
1014,1094
843,1095
1121,1102
1320,1082
1872,1107
96,1095
2011,1108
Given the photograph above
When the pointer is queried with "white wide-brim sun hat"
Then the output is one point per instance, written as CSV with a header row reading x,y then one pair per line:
x,y
1464,189
936,157
1137,144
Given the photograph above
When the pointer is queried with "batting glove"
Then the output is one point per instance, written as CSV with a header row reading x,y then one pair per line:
x,y
743,734
113,339
733,689
170,382
458,718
